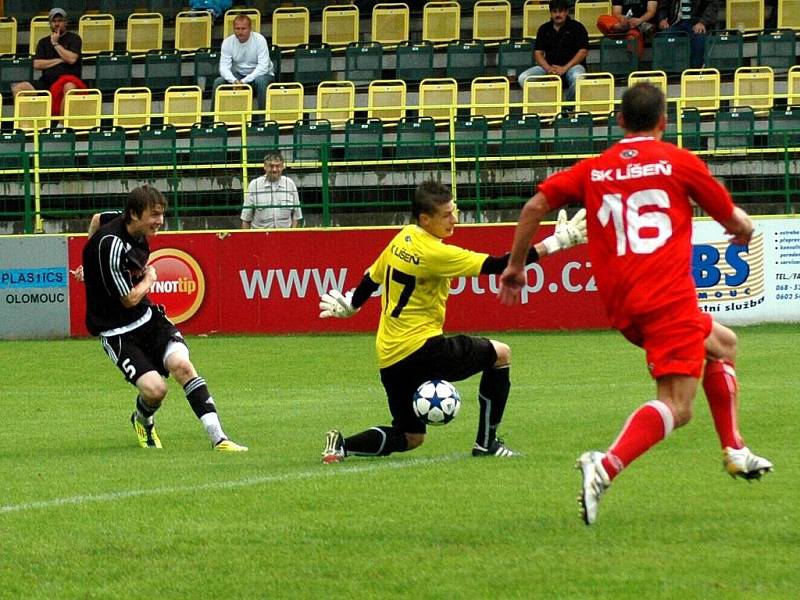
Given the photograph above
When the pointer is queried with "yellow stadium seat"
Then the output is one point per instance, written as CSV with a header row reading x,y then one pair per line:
x,y
340,24
387,100
145,32
789,14
438,98
8,35
541,95
336,101
97,33
192,30
32,109
441,21
794,86
132,107
700,89
491,20
233,104
754,87
290,27
489,97
535,13
182,105
594,93
83,108
390,23
285,102
744,15
40,27
587,12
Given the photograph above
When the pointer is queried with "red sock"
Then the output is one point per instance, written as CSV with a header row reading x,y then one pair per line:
x,y
648,425
719,383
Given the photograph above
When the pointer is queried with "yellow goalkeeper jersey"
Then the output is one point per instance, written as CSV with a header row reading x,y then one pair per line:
x,y
415,270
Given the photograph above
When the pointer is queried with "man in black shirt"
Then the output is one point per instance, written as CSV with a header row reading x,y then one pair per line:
x,y
58,57
562,45
135,333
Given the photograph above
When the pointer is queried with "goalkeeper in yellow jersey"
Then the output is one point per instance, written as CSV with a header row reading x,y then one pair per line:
x,y
415,270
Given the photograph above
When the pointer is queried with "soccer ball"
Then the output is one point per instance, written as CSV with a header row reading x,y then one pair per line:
x,y
436,402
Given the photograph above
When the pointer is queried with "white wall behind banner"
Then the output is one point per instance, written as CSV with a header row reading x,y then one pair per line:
x,y
34,299
755,285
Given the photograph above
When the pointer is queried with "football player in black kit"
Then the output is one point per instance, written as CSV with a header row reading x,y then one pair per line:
x,y
135,333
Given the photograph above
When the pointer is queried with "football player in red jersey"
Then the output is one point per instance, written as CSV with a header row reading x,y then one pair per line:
x,y
638,197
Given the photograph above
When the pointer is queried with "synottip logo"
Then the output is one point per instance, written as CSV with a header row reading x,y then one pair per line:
x,y
181,285
728,276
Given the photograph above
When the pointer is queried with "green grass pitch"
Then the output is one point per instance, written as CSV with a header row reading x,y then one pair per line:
x,y
85,513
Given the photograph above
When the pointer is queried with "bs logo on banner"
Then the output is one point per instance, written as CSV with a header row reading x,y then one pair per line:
x,y
180,286
729,275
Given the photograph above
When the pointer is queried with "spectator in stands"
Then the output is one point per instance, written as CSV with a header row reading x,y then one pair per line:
x,y
58,57
244,59
562,45
632,19
695,17
272,201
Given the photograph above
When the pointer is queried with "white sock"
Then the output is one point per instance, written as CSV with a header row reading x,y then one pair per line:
x,y
213,427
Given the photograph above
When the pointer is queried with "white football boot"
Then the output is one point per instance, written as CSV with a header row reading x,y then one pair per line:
x,y
595,484
743,463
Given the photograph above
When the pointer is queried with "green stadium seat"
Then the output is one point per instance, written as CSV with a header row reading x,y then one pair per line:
x,y
363,140
465,60
56,148
724,51
106,147
414,62
113,71
208,144
312,64
471,135
671,52
521,136
416,138
312,140
157,145
573,133
12,149
734,128
363,62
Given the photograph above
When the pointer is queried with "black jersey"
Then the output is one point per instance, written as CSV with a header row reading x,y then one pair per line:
x,y
113,263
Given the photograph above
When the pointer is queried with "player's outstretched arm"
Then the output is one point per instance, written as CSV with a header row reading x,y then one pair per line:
x,y
513,277
739,226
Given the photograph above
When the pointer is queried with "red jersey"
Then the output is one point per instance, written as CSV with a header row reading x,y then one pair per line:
x,y
639,221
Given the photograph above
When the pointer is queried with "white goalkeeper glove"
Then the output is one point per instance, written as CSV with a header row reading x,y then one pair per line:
x,y
568,233
334,304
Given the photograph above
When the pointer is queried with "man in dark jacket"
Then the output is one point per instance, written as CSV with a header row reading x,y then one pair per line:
x,y
695,17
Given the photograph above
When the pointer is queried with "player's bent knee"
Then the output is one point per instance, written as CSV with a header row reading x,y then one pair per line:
x,y
152,387
503,353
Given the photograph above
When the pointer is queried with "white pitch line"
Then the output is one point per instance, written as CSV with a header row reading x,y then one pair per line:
x,y
322,471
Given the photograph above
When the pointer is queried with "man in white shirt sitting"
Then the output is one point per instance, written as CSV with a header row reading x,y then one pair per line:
x,y
272,200
244,59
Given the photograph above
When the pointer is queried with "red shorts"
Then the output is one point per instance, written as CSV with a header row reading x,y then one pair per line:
x,y
673,338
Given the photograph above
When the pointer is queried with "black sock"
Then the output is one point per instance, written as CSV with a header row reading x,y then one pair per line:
x,y
199,399
145,411
492,398
377,441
